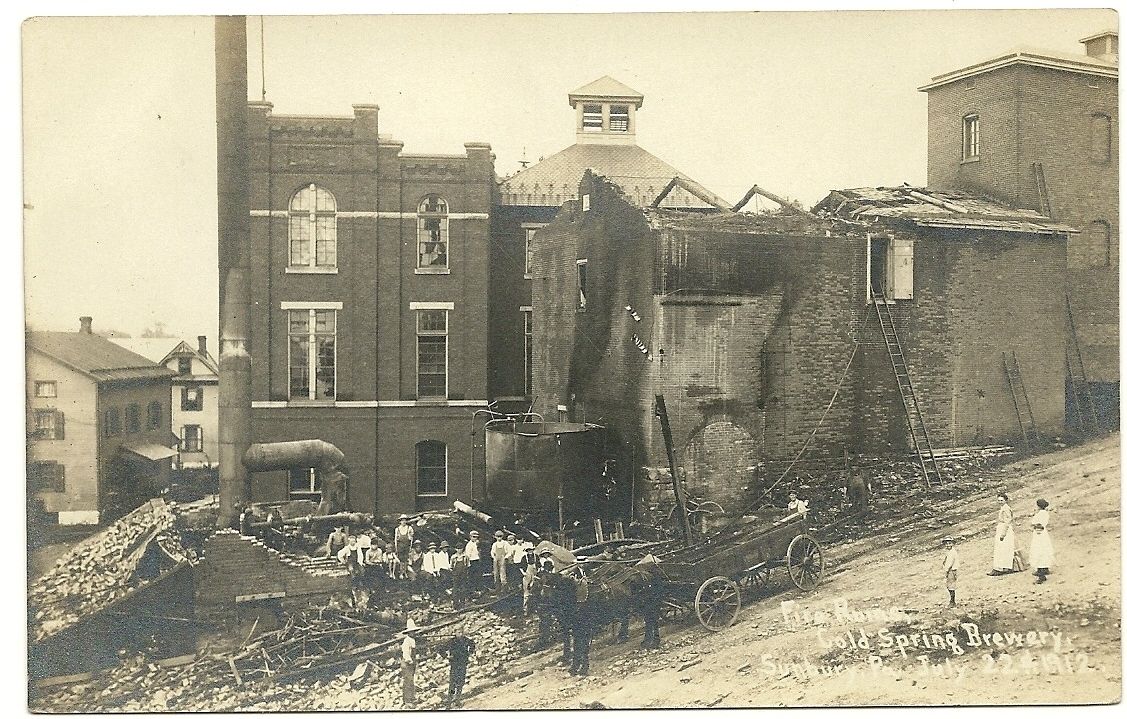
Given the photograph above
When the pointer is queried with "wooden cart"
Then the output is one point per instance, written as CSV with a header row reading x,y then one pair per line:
x,y
711,576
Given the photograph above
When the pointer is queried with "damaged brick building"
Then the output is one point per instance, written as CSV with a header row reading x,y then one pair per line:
x,y
749,325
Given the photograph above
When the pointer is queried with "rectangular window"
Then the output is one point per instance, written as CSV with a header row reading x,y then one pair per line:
x,y
46,389
191,399
46,477
970,137
432,352
184,366
592,118
430,469
528,235
527,350
305,483
133,419
191,438
580,285
47,424
312,353
619,118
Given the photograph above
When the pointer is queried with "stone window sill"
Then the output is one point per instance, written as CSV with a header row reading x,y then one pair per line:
x,y
306,270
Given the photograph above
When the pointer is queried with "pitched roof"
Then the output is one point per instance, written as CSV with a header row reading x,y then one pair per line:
x,y
555,179
1072,62
95,356
161,349
933,208
605,86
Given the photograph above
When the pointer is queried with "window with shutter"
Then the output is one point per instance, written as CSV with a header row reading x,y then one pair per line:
x,y
903,268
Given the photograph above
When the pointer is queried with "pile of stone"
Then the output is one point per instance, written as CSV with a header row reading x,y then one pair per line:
x,y
208,683
96,572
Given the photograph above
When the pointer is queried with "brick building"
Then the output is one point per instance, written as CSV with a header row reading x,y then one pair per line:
x,y
98,426
749,325
1040,130
606,142
369,283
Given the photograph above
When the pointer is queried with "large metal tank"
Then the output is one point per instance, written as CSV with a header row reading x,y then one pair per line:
x,y
529,466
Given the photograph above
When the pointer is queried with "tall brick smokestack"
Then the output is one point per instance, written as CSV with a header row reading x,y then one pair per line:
x,y
233,192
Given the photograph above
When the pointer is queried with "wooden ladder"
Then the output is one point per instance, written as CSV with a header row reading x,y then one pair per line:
x,y
1027,425
1042,189
1078,379
921,442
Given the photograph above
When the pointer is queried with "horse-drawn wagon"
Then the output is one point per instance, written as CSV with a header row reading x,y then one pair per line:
x,y
710,577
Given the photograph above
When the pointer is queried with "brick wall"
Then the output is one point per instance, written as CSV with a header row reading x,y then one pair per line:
x,y
234,566
753,327
1029,115
378,189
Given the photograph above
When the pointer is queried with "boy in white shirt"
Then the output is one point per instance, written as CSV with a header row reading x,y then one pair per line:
x,y
951,566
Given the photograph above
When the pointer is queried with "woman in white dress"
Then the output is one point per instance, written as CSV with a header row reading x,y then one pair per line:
x,y
1004,539
1041,548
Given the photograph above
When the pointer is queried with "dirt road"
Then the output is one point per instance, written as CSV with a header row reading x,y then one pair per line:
x,y
878,631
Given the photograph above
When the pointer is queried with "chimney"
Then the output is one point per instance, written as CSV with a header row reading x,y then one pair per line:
x,y
1103,46
202,339
85,325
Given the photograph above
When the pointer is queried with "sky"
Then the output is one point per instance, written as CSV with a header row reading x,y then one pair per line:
x,y
119,117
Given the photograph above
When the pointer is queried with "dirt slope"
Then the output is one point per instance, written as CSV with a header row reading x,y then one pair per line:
x,y
1008,641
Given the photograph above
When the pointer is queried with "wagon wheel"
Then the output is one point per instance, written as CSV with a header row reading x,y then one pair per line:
x,y
717,603
805,562
757,582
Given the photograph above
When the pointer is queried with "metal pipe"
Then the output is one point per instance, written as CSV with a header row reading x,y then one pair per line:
x,y
233,209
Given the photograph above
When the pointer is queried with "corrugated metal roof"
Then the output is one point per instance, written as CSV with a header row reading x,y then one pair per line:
x,y
95,356
933,208
555,180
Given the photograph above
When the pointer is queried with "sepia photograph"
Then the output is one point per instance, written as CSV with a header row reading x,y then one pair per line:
x,y
601,358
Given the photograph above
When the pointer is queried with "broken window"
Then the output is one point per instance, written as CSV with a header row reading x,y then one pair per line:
x,y
431,329
619,118
312,354
970,137
305,483
313,229
430,468
592,118
580,285
434,228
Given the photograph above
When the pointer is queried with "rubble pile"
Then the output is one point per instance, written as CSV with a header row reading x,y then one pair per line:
x,y
96,572
213,683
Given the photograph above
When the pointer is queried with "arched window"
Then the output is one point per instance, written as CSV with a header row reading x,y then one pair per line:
x,y
430,468
434,228
113,422
133,419
313,229
156,415
1101,138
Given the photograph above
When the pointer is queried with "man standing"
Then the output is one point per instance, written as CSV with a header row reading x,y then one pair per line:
x,y
529,582
429,574
951,567
402,540
584,626
459,577
407,664
473,557
648,591
499,552
460,649
545,601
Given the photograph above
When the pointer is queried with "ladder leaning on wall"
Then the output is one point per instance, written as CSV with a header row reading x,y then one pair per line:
x,y
1078,379
1025,423
921,442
